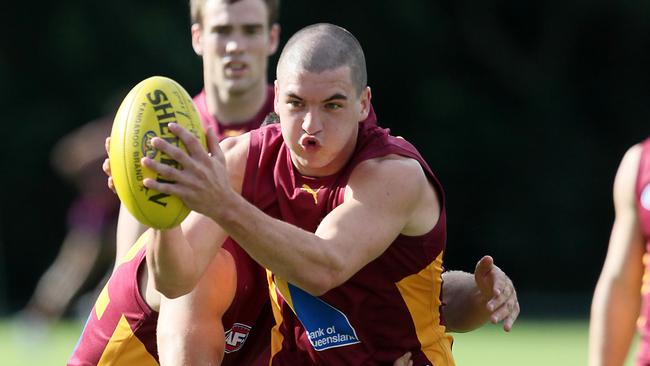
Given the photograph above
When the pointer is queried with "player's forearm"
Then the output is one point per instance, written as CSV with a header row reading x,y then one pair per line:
x,y
296,255
465,308
128,231
614,311
171,261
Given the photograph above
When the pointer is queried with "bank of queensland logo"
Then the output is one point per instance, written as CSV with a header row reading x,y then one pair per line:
x,y
147,148
645,197
236,337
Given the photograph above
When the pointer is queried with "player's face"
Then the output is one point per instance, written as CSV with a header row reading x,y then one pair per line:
x,y
319,115
235,41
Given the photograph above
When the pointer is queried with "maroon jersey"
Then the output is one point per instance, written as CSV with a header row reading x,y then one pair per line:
x,y
121,327
389,307
643,210
224,131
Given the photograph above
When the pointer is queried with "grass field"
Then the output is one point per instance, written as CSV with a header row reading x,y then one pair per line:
x,y
531,343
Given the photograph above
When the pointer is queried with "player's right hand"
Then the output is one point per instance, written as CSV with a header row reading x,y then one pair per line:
x,y
106,166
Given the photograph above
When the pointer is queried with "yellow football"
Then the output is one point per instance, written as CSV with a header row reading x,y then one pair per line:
x,y
146,113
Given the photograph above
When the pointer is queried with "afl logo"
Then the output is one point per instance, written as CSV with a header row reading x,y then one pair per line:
x,y
645,197
147,149
236,337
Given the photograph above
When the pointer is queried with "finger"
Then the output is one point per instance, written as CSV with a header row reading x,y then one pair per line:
x,y
174,152
110,184
107,144
509,308
502,291
168,172
509,321
192,144
164,186
106,167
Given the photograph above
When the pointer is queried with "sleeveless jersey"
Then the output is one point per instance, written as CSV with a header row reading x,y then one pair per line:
x,y
224,131
643,211
392,305
119,329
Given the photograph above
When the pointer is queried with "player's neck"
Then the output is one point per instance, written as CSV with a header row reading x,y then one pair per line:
x,y
233,109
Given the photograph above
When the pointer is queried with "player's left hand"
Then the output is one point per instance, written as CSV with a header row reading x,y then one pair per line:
x,y
499,292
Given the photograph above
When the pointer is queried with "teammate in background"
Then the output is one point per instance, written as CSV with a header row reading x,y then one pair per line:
x,y
353,251
621,300
87,251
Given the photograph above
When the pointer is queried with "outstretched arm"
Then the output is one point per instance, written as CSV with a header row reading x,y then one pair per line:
x,y
473,300
617,298
343,242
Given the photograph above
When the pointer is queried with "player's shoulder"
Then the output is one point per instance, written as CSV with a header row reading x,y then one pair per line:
x,y
391,164
630,163
392,171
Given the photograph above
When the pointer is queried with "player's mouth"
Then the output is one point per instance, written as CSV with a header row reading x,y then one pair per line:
x,y
309,143
235,69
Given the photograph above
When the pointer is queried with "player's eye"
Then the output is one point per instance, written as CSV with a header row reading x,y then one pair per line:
x,y
293,103
222,29
333,106
251,30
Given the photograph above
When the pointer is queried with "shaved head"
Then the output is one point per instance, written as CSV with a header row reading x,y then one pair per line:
x,y
323,47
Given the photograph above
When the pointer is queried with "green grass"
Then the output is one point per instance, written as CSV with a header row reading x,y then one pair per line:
x,y
20,346
530,343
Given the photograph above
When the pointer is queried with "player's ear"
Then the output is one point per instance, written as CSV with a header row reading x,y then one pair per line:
x,y
196,39
364,99
274,38
275,97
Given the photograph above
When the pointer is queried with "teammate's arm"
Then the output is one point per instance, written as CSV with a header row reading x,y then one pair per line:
x,y
473,300
190,330
617,298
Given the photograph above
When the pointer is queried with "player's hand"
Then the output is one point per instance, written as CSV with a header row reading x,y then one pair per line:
x,y
106,166
499,292
405,360
203,178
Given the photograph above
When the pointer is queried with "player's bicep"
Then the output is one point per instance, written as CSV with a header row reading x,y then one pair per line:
x,y
379,205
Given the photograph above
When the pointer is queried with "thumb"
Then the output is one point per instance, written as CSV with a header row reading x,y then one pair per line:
x,y
484,266
213,143
482,270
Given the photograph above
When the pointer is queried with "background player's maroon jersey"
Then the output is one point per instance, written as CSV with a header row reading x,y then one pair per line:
x,y
224,131
389,307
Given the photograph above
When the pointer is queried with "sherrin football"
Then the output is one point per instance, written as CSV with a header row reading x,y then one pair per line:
x,y
146,113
